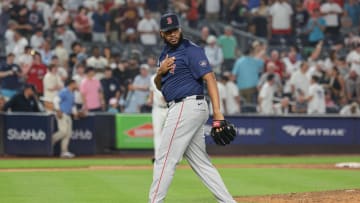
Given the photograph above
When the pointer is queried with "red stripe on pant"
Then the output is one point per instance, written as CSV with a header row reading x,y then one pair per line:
x,y
167,153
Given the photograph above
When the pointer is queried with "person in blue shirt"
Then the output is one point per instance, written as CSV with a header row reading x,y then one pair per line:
x,y
315,28
65,107
10,75
183,68
101,26
247,71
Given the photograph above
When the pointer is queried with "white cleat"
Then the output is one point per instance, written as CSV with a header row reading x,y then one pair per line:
x,y
67,155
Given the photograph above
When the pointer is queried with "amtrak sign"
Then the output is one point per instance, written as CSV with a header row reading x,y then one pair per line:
x,y
298,130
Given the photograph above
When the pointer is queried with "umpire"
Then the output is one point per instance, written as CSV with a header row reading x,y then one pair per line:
x,y
183,68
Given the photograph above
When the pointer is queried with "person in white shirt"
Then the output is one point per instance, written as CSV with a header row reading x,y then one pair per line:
x,y
158,114
78,77
350,110
299,80
148,30
214,53
212,9
37,39
9,37
316,97
98,62
281,13
352,79
52,82
331,12
266,96
232,100
283,107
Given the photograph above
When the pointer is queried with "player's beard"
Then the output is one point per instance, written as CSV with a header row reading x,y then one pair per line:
x,y
174,46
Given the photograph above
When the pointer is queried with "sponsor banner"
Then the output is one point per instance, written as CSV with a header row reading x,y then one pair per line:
x,y
357,129
134,131
104,132
83,137
249,130
314,130
26,134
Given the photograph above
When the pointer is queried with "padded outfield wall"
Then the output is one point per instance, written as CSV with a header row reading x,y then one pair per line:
x,y
30,134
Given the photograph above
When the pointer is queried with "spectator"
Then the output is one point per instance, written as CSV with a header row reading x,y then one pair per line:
x,y
92,95
311,5
204,34
239,13
98,62
37,39
9,37
283,107
110,86
67,36
78,77
148,31
46,52
129,17
352,8
336,85
315,28
4,19
10,74
36,19
353,59
82,25
212,9
61,53
36,73
266,96
114,19
299,81
351,109
79,53
23,25
228,44
259,22
316,97
192,14
246,70
113,106
331,12
270,70
280,13
62,72
52,83
279,66
65,108
60,16
300,18
300,102
24,101
214,54
25,59
232,100
352,85
139,90
20,43
101,26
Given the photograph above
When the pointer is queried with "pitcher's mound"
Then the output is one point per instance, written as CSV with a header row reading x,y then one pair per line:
x,y
337,196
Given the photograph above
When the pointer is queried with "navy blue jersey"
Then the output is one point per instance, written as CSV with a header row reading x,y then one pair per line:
x,y
191,64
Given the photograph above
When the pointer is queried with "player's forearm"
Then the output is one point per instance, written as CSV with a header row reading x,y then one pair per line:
x,y
157,81
214,95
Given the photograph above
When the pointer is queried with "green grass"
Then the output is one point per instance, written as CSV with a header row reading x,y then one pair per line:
x,y
131,186
82,162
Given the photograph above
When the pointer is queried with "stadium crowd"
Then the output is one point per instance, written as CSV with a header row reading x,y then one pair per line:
x,y
109,48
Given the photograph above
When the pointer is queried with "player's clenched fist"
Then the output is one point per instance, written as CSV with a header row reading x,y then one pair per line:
x,y
166,65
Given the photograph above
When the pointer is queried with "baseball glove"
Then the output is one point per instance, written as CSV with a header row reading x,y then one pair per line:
x,y
222,132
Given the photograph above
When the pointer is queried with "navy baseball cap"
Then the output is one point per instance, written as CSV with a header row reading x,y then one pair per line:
x,y
168,22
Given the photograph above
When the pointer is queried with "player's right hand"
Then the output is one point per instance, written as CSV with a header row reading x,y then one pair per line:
x,y
166,65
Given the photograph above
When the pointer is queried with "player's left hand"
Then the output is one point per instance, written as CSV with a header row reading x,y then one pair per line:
x,y
222,132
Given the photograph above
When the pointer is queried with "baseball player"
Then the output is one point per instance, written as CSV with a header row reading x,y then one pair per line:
x,y
158,113
183,69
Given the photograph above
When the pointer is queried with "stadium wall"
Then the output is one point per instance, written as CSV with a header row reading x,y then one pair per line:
x,y
103,133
